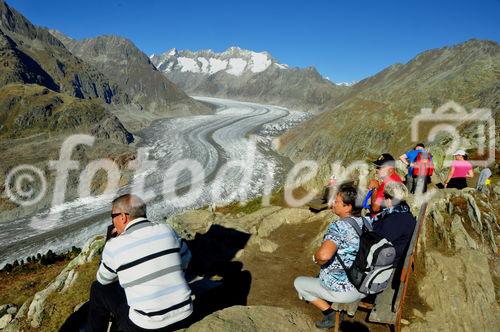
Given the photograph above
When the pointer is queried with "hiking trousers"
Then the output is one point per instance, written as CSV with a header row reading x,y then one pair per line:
x,y
310,289
107,300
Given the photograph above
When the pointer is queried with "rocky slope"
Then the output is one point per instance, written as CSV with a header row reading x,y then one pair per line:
x,y
120,60
32,109
34,123
458,267
247,75
30,54
375,115
257,256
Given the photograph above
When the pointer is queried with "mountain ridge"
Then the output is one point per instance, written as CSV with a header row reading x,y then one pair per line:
x,y
119,59
247,75
71,75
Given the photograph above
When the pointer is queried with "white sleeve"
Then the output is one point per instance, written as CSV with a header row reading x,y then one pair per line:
x,y
106,273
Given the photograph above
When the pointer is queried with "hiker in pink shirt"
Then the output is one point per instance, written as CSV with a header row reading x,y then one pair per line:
x,y
460,170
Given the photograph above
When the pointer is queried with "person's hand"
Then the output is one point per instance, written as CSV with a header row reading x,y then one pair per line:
x,y
111,232
373,184
446,184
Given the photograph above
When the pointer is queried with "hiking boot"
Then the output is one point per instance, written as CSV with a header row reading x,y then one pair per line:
x,y
327,322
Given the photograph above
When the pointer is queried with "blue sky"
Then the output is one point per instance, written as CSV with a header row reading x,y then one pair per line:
x,y
345,40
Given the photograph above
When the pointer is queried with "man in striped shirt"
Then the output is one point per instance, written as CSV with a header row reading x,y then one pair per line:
x,y
140,280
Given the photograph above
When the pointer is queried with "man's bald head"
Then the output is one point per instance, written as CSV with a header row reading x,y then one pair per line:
x,y
131,204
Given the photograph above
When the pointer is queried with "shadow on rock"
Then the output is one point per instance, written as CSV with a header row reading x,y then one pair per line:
x,y
216,281
349,326
220,282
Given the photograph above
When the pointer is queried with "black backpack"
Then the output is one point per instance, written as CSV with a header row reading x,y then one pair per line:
x,y
373,266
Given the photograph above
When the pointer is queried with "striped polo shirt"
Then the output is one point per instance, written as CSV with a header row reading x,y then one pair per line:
x,y
149,260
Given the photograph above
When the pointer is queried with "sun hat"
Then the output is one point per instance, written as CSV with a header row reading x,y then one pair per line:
x,y
459,152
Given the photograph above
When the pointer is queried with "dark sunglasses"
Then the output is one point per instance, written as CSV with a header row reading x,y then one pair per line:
x,y
114,215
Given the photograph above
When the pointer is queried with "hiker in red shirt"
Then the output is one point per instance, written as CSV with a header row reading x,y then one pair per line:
x,y
385,165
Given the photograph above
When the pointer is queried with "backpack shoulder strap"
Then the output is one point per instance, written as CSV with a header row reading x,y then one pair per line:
x,y
351,221
354,225
367,224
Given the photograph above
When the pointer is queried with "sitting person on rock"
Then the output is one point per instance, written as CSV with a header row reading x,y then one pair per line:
x,y
340,239
140,281
386,171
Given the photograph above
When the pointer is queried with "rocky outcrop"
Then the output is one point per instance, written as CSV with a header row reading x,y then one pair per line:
x,y
259,224
458,269
20,67
254,318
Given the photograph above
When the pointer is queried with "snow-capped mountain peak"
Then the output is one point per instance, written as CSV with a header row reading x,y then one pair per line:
x,y
234,61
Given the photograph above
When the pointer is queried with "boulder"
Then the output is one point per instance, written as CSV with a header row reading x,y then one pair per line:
x,y
191,222
4,308
5,320
254,318
12,310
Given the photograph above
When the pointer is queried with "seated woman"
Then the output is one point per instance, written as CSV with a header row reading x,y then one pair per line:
x,y
341,239
460,170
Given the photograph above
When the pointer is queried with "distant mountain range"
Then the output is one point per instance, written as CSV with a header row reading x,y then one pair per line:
x,y
247,75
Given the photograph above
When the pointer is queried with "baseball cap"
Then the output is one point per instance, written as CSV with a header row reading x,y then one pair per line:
x,y
459,153
385,159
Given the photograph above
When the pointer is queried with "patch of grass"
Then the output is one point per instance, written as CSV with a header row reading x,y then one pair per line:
x,y
60,305
249,207
21,284
277,199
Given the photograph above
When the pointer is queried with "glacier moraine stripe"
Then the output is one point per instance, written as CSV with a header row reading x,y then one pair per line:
x,y
166,310
152,276
169,290
147,258
137,243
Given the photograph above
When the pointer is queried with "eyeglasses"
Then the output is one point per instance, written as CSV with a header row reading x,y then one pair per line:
x,y
114,215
